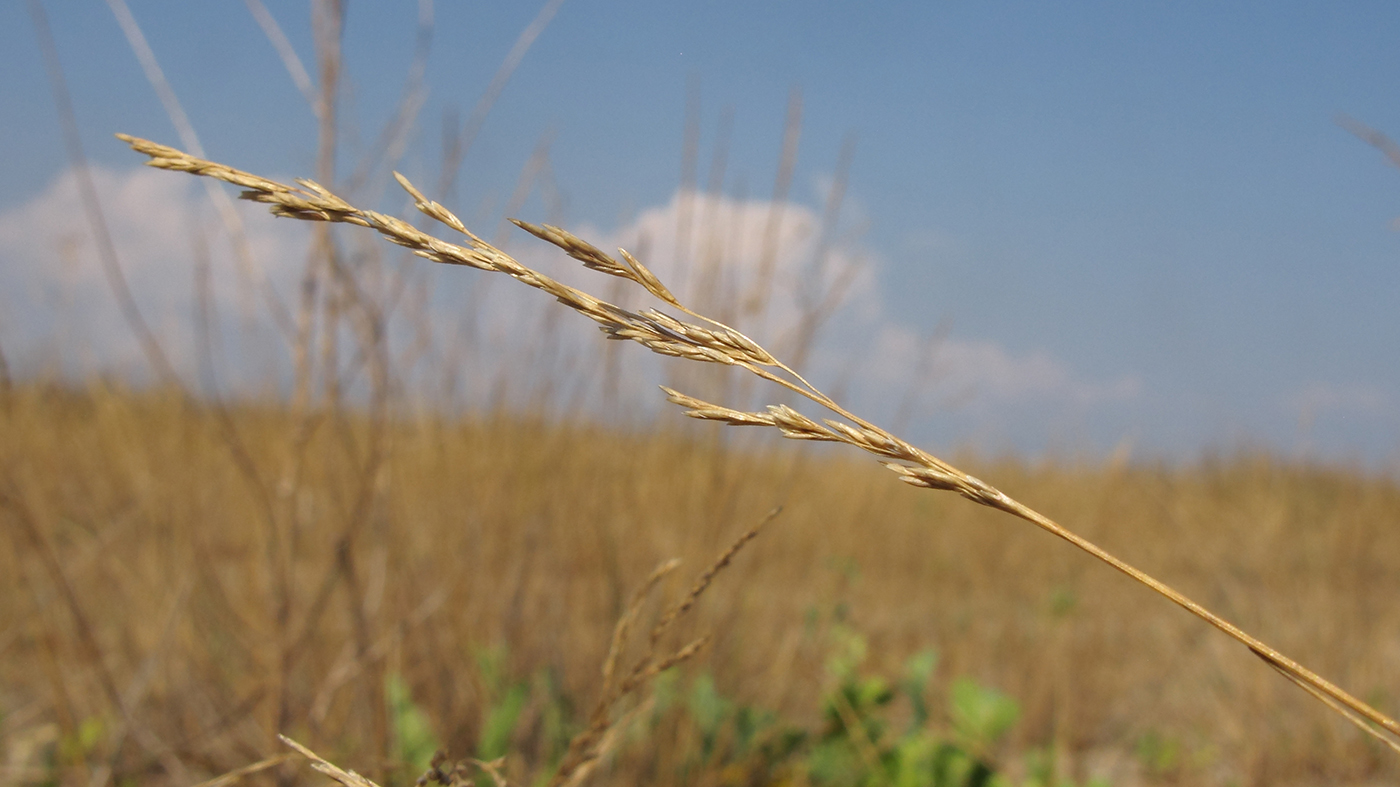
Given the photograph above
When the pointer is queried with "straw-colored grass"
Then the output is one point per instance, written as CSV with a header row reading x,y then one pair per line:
x,y
529,539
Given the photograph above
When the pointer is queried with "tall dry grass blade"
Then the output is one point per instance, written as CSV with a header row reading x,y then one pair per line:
x,y
921,376
709,271
321,765
92,206
328,28
287,641
666,335
1373,137
462,141
233,776
233,224
756,303
525,184
588,746
393,140
147,58
817,296
628,619
708,576
288,54
690,162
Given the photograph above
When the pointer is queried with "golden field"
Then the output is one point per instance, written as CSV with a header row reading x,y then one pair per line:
x,y
182,580
188,577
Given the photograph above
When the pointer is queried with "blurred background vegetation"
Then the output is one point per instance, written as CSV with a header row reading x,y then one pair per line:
x,y
358,557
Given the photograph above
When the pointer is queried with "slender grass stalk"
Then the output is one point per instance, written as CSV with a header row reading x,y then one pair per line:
x,y
714,342
458,146
155,75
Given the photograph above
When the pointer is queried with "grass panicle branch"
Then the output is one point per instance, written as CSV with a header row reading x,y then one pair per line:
x,y
604,722
715,342
329,769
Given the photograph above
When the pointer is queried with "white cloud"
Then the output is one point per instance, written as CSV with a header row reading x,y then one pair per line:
x,y
1335,420
724,257
1323,398
985,369
58,307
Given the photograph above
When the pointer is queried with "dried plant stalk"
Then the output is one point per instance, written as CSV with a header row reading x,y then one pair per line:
x,y
600,735
330,769
714,342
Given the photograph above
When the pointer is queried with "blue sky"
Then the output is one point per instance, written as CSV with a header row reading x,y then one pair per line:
x,y
1141,221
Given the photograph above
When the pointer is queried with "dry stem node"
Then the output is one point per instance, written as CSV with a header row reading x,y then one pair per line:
x,y
717,343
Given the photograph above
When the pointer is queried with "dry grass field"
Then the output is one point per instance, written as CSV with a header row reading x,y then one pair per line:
x,y
155,623
183,578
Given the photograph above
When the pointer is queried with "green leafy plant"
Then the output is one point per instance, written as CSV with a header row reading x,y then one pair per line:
x,y
980,715
505,700
859,745
875,731
413,737
1159,754
1040,771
